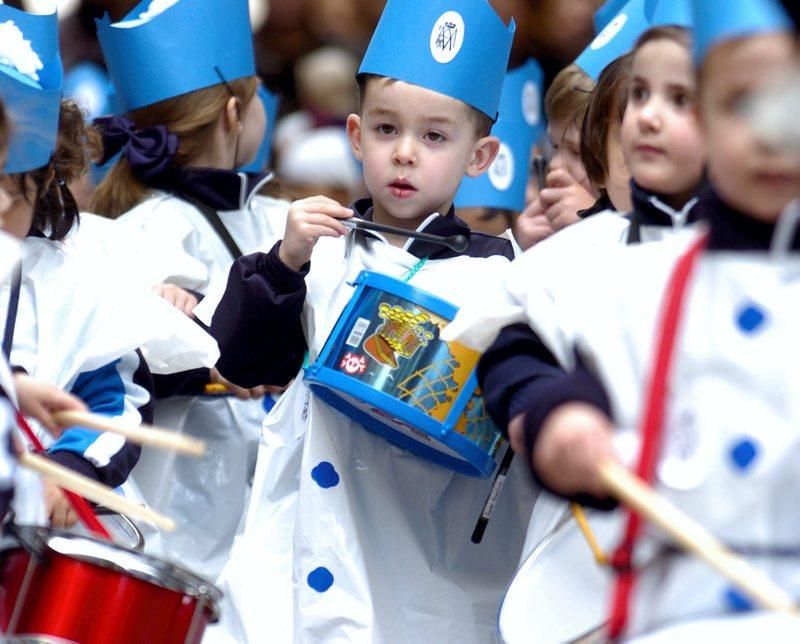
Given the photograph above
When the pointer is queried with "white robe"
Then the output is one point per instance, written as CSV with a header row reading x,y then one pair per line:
x,y
207,495
394,532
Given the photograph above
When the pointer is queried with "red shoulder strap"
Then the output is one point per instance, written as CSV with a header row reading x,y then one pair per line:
x,y
652,426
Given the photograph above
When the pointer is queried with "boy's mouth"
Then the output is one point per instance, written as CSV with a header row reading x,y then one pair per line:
x,y
401,189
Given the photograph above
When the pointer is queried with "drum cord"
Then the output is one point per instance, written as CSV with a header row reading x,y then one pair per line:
x,y
415,269
588,534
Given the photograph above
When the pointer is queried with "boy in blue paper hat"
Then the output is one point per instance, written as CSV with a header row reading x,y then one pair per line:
x,y
373,541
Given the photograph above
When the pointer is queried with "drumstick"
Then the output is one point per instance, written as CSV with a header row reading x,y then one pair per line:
x,y
92,490
494,494
458,243
141,434
693,537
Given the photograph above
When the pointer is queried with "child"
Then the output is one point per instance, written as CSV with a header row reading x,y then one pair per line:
x,y
373,541
192,118
498,196
730,444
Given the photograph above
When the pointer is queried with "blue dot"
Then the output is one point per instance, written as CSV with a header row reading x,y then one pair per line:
x,y
737,602
744,453
320,579
750,318
325,475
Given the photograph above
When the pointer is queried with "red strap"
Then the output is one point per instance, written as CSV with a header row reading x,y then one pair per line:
x,y
78,503
652,427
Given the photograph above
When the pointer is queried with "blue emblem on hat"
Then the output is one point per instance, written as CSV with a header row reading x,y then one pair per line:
x,y
606,13
190,45
270,102
31,81
458,48
715,22
520,123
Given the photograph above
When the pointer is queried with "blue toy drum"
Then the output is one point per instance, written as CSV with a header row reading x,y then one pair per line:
x,y
385,367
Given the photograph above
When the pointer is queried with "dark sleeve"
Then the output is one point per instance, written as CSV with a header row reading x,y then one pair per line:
x,y
258,321
184,383
121,389
512,371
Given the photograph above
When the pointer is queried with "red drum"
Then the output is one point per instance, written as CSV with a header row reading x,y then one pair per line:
x,y
76,588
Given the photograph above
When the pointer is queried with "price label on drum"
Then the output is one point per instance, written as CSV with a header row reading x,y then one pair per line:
x,y
358,332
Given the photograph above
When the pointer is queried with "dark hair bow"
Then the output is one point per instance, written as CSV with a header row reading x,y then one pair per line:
x,y
148,150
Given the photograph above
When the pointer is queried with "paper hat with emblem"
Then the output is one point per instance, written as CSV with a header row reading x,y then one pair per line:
x,y
520,123
458,48
606,13
166,48
716,22
31,81
270,102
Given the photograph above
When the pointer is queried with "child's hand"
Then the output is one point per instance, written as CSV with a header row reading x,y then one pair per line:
x,y
240,392
532,226
563,198
40,400
309,219
179,298
574,439
58,509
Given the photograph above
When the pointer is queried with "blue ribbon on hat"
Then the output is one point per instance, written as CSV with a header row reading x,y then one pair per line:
x,y
149,151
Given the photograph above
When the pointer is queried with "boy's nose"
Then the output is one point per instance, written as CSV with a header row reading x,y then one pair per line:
x,y
649,117
404,152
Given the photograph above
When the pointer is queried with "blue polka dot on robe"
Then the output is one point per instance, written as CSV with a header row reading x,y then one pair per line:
x,y
736,601
325,475
743,453
320,579
750,319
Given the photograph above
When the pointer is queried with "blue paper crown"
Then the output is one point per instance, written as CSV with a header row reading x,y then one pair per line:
x,y
615,40
669,12
458,48
270,102
33,106
606,13
519,125
191,45
715,22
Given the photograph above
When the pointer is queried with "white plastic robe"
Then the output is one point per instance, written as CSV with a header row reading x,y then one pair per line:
x,y
207,495
731,440
392,536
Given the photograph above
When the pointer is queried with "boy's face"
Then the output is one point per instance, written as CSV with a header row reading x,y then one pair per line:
x,y
748,175
416,146
660,134
565,139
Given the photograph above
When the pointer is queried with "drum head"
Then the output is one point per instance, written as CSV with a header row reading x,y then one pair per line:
x,y
560,593
120,559
123,530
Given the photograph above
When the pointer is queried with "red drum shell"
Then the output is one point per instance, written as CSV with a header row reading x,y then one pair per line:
x,y
87,602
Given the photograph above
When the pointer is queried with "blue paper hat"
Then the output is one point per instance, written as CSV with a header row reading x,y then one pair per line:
x,y
270,103
32,103
458,48
615,40
715,22
669,12
606,13
191,45
521,122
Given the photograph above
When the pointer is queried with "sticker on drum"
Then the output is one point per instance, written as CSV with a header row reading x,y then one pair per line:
x,y
56,584
386,367
561,593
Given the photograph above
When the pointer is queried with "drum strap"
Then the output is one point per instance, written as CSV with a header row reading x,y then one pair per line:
x,y
213,218
13,306
652,429
415,269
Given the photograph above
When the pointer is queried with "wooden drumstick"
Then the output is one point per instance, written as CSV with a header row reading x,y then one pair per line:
x,y
93,491
693,537
141,434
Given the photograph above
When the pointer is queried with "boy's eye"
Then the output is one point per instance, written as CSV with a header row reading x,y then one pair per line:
x,y
639,93
435,137
385,128
682,99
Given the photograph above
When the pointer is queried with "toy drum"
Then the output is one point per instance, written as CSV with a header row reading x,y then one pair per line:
x,y
58,585
385,367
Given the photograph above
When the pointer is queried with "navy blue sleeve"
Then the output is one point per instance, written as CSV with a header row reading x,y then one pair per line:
x,y
257,324
512,371
122,389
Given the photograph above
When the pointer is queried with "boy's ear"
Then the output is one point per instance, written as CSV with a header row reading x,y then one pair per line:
x,y
483,154
354,134
232,116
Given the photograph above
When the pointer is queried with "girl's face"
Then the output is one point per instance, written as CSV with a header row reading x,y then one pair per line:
x,y
16,213
565,140
748,174
660,134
